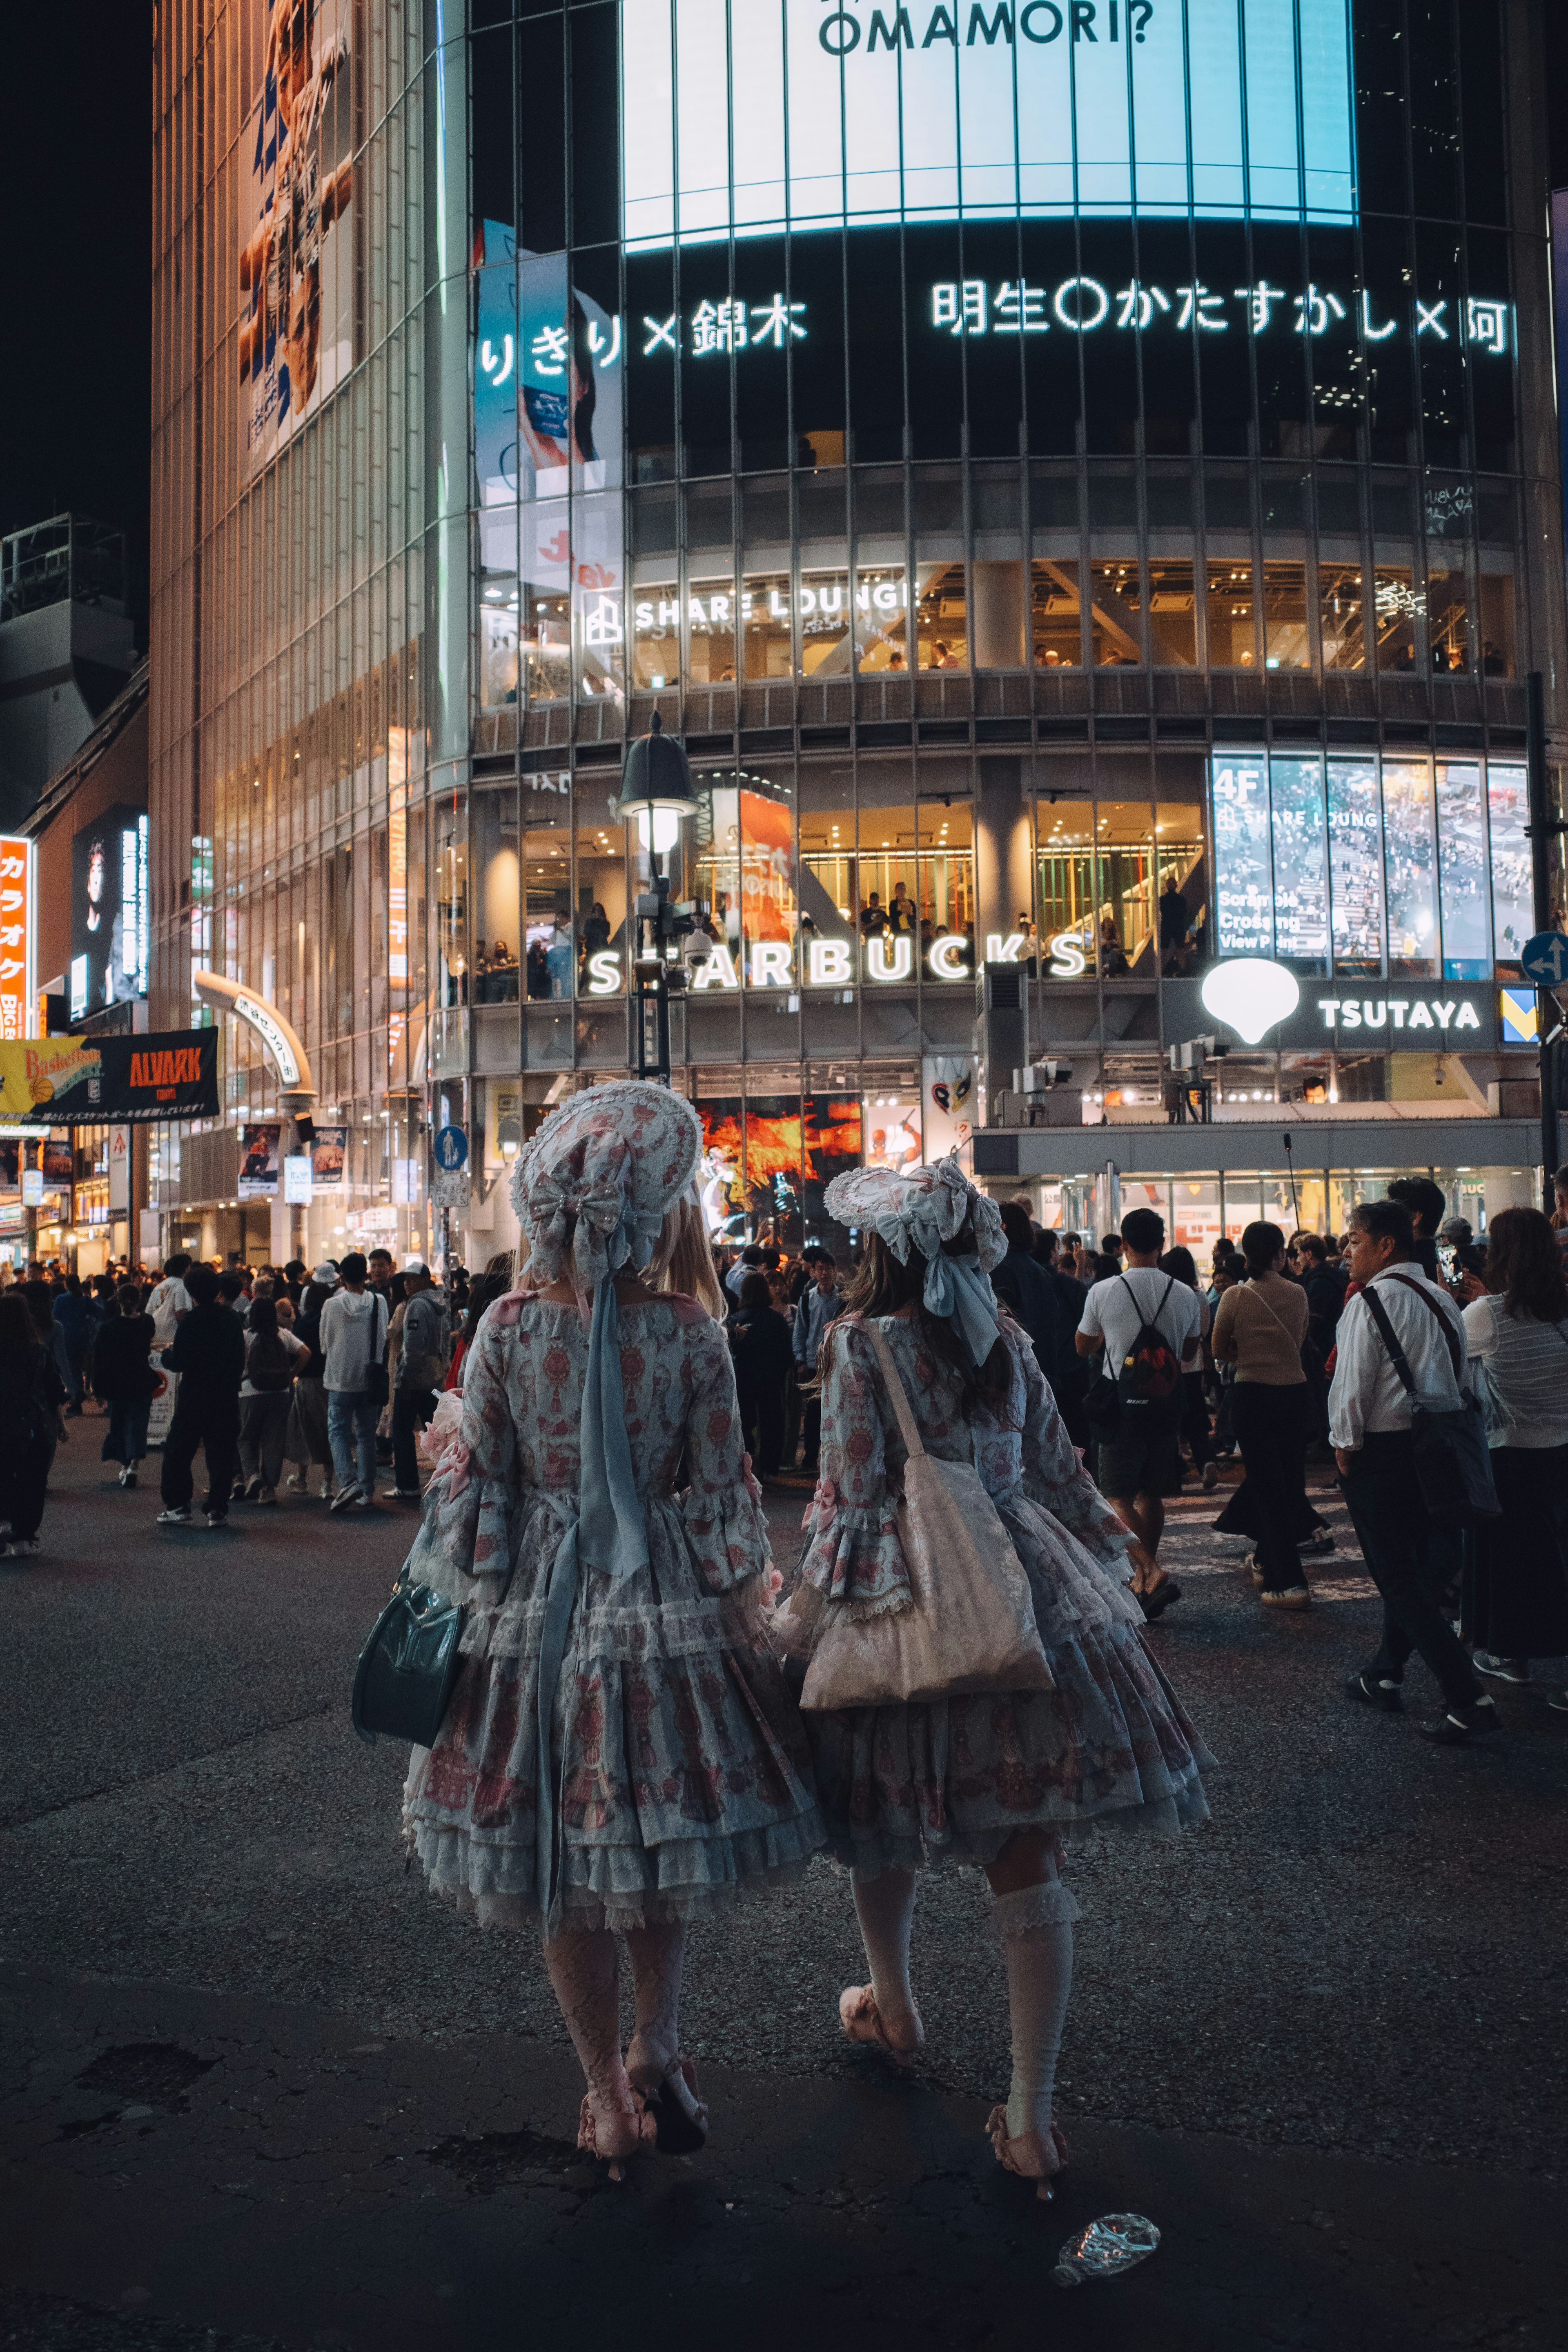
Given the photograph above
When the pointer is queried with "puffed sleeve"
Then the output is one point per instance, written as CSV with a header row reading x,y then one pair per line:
x,y
471,1504
855,1556
723,1503
1054,1476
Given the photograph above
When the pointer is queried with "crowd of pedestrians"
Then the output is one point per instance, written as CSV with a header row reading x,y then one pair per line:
x,y
268,1374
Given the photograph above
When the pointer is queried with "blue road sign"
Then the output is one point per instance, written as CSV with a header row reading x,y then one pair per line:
x,y
451,1148
1546,959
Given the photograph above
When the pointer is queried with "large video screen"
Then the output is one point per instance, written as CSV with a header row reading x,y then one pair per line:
x,y
742,118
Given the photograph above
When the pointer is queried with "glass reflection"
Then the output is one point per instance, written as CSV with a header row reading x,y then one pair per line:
x,y
1410,869
1448,620
1399,608
1286,644
1355,866
1233,638
942,616
1513,898
768,912
656,617
1339,615
1115,614
1056,612
1173,613
1243,881
1301,865
1462,869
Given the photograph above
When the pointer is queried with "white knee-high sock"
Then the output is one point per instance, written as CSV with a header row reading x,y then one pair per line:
x,y
886,1905
1036,1947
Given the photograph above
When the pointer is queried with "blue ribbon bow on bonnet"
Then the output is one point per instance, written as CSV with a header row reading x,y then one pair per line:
x,y
602,1172
928,1206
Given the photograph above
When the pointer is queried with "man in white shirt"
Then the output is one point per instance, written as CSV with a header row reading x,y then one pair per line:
x,y
169,1302
1369,1428
352,1342
1141,1458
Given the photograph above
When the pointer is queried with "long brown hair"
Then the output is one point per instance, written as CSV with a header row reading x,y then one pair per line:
x,y
881,1286
1524,1265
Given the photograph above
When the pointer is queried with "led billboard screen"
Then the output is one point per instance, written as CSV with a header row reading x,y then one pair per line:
x,y
743,120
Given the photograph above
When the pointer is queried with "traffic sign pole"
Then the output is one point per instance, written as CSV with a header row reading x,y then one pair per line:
x,y
1543,828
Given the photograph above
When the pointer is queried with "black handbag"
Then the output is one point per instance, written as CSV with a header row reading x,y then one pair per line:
x,y
1453,1462
408,1666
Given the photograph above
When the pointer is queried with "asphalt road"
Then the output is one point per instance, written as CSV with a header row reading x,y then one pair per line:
x,y
1321,2041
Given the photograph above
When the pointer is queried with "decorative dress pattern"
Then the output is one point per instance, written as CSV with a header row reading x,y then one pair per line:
x,y
684,1768
1111,1746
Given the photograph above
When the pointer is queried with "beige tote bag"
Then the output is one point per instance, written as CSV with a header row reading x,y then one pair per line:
x,y
971,1625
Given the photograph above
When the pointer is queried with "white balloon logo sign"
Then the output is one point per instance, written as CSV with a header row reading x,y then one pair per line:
x,y
1250,994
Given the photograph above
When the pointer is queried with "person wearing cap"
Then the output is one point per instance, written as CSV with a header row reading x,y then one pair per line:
x,y
996,1779
620,1752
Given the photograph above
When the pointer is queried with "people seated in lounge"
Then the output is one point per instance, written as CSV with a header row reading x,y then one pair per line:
x,y
873,917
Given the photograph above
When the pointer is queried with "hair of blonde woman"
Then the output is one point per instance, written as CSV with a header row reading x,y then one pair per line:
x,y
683,1259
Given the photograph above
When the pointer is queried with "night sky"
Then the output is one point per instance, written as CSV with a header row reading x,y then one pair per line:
x,y
75,199
75,196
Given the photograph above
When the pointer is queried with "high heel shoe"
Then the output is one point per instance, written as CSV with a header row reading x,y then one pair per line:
x,y
616,2136
1030,2156
680,2116
861,2021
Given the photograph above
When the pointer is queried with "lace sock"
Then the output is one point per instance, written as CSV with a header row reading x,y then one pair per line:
x,y
656,1954
886,1905
1036,1947
585,1969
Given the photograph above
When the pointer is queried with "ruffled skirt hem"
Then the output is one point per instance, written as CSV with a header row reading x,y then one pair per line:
x,y
615,1886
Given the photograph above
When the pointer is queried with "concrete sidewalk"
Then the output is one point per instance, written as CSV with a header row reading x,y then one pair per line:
x,y
194,2161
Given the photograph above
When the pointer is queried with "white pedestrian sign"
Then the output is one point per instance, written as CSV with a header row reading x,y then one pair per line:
x,y
1546,959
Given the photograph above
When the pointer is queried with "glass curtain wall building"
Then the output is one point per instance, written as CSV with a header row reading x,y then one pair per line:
x,y
1081,482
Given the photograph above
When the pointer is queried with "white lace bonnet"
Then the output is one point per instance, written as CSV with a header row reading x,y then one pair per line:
x,y
925,1207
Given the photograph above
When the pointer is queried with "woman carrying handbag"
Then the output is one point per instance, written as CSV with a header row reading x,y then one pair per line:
x,y
936,1412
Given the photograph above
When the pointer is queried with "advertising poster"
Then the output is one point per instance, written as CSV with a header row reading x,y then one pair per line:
x,y
70,1081
111,914
296,255
328,1154
947,1086
259,1152
767,892
892,1132
719,1176
161,1409
15,914
56,1163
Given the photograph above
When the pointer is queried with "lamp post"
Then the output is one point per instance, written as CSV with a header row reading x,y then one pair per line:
x,y
656,794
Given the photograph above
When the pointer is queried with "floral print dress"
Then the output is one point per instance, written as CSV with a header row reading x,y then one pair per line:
x,y
1111,1746
685,1773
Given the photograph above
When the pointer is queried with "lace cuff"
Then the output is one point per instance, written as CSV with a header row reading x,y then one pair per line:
x,y
854,1555
727,1534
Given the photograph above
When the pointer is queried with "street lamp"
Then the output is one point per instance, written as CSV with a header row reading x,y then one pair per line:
x,y
656,794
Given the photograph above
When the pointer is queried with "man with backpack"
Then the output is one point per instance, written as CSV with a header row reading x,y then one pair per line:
x,y
353,1334
1149,1326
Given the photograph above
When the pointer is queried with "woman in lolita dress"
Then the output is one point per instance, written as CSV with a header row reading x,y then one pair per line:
x,y
620,1752
1002,1780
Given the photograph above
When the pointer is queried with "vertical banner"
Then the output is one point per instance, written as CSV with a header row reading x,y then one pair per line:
x,y
296,289
119,1171
16,937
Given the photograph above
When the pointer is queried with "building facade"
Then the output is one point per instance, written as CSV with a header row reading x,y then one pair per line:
x,y
1083,484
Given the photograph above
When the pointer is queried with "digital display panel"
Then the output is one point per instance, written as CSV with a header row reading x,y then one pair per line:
x,y
739,120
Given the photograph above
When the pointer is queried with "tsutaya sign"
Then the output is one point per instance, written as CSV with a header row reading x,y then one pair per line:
x,y
1351,1016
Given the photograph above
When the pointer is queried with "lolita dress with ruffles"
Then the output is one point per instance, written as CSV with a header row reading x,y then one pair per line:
x,y
1111,1746
620,1747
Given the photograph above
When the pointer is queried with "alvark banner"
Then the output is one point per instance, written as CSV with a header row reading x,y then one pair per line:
x,y
93,1081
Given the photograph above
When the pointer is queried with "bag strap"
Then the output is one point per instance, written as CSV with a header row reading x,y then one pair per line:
x,y
1279,1318
908,1430
1432,1307
1379,1313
